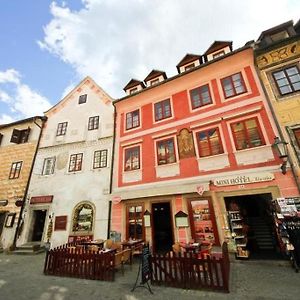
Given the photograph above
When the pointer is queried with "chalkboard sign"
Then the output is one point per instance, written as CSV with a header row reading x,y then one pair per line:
x,y
146,270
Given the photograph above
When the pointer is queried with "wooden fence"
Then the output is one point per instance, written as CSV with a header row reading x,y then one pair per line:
x,y
80,263
189,272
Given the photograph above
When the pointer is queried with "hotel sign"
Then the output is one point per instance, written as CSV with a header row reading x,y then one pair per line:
x,y
243,179
41,199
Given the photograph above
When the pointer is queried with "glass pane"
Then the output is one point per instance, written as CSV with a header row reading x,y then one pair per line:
x,y
292,71
296,86
240,136
202,221
279,75
285,89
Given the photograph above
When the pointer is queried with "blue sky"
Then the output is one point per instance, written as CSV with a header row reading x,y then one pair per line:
x,y
50,46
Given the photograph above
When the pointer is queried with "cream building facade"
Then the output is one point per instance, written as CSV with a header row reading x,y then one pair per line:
x,y
68,197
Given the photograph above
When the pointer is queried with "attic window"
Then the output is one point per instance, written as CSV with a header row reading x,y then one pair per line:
x,y
134,90
20,136
279,36
218,54
154,81
189,67
82,99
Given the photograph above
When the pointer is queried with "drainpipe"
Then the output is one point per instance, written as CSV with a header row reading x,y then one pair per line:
x,y
44,119
297,180
111,173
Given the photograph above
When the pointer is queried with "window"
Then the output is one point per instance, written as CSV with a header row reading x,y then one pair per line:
x,y
134,90
20,136
75,162
83,218
93,123
209,142
135,222
200,96
218,54
132,159
100,159
1,136
247,134
165,152
154,81
82,99
279,36
189,67
297,136
132,119
287,80
48,167
233,85
15,170
162,110
61,128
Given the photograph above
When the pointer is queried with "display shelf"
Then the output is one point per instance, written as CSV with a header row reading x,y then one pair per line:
x,y
236,222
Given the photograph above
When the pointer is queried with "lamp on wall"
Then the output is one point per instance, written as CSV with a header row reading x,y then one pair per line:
x,y
281,148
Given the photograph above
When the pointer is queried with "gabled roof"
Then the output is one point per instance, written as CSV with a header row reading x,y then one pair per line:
x,y
275,29
187,59
132,83
32,119
154,74
87,79
217,45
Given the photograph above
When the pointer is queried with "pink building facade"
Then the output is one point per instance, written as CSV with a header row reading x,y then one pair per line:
x,y
192,148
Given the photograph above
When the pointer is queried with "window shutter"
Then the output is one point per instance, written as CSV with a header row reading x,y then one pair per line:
x,y
1,136
38,166
60,223
26,135
15,137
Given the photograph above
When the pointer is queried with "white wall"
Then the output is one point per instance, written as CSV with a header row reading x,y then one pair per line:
x,y
71,188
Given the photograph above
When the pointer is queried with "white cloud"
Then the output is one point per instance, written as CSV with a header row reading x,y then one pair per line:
x,y
114,41
19,98
10,76
5,119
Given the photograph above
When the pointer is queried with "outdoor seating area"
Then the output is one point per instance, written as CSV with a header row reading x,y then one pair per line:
x,y
91,259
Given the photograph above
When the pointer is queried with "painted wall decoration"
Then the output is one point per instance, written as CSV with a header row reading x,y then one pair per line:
x,y
185,144
83,218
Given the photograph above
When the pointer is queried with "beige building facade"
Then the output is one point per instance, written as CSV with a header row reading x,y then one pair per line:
x,y
18,145
278,63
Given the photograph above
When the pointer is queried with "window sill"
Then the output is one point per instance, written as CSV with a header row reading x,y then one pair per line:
x,y
167,170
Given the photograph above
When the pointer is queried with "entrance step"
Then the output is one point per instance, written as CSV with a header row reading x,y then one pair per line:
x,y
30,248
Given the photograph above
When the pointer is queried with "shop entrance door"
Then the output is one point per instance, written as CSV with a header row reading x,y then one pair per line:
x,y
256,225
162,227
38,225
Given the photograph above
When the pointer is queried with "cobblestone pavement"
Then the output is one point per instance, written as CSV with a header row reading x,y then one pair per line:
x,y
21,277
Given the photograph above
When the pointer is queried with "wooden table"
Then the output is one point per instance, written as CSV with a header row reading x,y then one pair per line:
x,y
132,245
100,244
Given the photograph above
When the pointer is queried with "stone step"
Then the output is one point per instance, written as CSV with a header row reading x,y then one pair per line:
x,y
28,252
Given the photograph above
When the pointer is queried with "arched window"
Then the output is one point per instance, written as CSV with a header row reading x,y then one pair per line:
x,y
83,218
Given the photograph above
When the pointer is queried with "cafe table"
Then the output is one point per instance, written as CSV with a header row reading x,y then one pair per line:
x,y
132,244
100,244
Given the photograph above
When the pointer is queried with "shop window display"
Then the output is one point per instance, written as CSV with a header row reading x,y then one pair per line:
x,y
83,218
201,217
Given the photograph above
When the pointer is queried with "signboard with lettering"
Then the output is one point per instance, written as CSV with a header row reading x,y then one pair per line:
x,y
41,199
146,272
243,179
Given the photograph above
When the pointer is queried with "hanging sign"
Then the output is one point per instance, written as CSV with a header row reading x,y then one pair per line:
x,y
200,189
116,199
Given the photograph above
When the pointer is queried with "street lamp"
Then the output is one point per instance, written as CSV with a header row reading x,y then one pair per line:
x,y
281,148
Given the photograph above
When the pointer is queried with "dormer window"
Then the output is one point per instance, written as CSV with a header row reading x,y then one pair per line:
x,y
154,81
82,99
218,54
281,35
189,67
134,90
